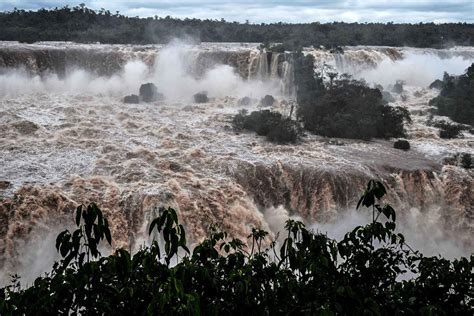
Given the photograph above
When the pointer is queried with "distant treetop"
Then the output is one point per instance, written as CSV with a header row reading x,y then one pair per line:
x,y
81,24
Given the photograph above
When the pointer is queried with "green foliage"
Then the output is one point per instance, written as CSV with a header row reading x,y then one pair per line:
x,y
456,99
363,274
84,241
82,24
273,125
344,108
174,235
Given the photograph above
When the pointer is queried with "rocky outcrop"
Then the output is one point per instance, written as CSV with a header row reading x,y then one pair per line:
x,y
267,101
149,93
131,99
201,97
402,144
245,101
437,84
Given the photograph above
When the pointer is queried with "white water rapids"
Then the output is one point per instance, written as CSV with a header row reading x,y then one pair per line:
x,y
66,137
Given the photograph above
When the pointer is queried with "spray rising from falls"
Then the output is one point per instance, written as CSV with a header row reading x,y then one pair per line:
x,y
181,69
67,138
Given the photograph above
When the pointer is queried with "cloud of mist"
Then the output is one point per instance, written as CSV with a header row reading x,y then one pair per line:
x,y
173,73
416,69
423,231
36,255
78,81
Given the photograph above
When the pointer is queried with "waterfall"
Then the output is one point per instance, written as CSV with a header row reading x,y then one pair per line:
x,y
287,82
275,63
262,66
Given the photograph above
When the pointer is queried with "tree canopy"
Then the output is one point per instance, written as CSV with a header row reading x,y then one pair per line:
x,y
344,107
82,24
456,98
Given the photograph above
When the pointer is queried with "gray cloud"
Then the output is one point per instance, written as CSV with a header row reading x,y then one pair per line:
x,y
258,11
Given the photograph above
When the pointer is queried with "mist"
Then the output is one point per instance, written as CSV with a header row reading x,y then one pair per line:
x,y
35,255
415,69
423,231
172,72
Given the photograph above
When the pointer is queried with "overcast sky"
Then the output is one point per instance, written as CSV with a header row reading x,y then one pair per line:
x,y
258,11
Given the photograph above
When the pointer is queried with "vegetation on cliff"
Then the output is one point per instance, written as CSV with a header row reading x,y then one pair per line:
x,y
456,98
344,107
371,271
82,24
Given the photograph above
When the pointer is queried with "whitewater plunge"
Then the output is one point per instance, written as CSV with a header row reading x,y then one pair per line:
x,y
67,138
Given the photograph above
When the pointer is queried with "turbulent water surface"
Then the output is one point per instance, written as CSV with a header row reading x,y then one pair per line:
x,y
67,138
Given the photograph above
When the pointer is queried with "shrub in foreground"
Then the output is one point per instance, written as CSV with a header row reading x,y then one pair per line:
x,y
309,273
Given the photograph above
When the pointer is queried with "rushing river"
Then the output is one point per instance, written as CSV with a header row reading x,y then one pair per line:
x,y
66,138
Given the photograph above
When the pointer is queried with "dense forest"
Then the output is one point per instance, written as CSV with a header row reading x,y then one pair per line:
x,y
82,24
371,271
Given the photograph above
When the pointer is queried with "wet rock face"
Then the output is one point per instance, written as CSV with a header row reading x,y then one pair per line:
x,y
148,92
267,100
42,60
131,99
387,97
319,195
4,185
437,84
25,127
398,87
314,194
245,101
401,144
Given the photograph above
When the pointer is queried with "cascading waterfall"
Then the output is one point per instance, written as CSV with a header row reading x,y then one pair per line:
x,y
339,61
287,84
262,66
275,64
61,146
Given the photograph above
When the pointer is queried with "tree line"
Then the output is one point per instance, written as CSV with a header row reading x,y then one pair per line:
x,y
82,24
